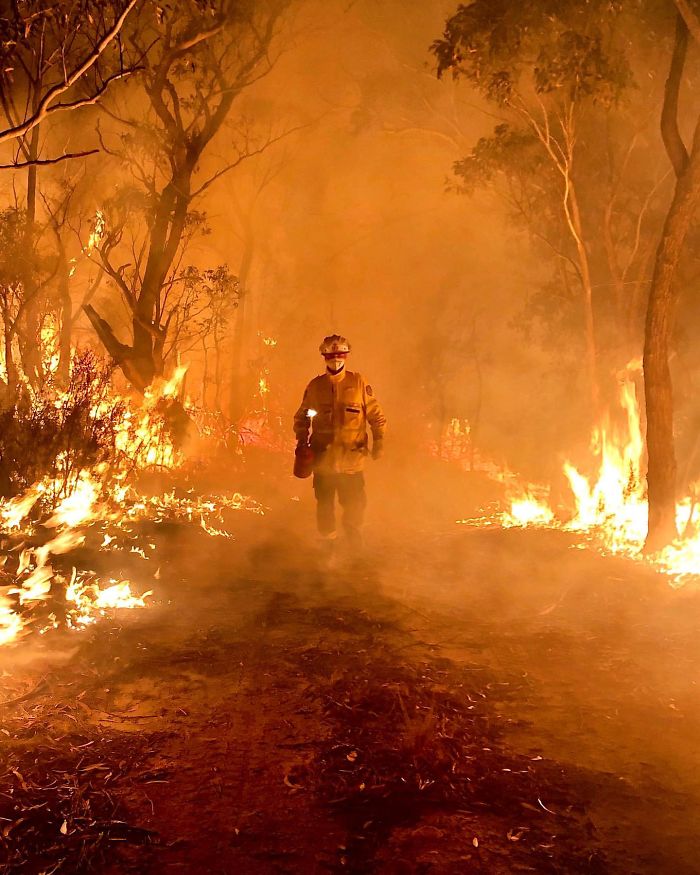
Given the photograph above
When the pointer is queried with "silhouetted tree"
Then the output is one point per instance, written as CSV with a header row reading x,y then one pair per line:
x,y
198,58
54,58
665,291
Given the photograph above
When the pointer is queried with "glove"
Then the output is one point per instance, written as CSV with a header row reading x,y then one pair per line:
x,y
377,449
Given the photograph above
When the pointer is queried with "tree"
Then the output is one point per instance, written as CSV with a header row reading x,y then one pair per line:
x,y
198,58
554,71
665,291
47,51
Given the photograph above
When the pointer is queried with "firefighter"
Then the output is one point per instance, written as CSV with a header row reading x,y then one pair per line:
x,y
335,411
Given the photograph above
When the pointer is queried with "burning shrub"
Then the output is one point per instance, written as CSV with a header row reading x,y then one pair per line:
x,y
60,433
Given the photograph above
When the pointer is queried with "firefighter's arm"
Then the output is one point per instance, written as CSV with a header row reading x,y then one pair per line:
x,y
377,421
302,420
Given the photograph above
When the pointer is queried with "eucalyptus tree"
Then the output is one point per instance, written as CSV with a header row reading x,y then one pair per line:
x,y
54,59
553,66
198,58
665,288
557,74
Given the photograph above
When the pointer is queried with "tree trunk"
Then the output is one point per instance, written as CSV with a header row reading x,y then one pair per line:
x,y
663,297
476,418
66,310
638,297
237,387
12,376
121,354
143,361
587,287
166,233
30,345
205,372
217,372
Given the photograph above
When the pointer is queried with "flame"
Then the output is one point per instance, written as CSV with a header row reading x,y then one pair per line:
x,y
14,510
80,499
64,506
611,507
97,233
455,445
616,503
172,387
11,624
528,510
87,600
50,345
78,506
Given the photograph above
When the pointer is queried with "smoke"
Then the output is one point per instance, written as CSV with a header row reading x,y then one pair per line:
x,y
348,222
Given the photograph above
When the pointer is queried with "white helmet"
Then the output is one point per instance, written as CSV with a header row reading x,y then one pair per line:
x,y
334,343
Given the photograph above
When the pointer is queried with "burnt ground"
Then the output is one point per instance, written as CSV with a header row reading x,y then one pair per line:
x,y
454,700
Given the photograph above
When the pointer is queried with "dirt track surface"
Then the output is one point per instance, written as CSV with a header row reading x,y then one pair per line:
x,y
455,700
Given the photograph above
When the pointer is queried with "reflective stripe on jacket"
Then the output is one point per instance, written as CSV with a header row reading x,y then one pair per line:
x,y
344,405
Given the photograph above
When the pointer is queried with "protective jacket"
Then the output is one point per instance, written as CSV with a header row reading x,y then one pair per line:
x,y
344,405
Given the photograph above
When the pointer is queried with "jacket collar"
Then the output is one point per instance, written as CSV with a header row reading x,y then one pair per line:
x,y
336,378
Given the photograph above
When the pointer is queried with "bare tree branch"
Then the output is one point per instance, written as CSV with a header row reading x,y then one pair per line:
x,y
247,154
42,162
46,105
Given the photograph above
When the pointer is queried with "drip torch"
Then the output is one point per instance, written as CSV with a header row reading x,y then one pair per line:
x,y
304,455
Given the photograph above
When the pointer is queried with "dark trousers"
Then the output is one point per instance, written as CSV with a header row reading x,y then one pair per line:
x,y
351,495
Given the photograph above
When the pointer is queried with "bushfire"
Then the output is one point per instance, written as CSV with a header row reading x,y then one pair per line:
x,y
55,515
608,508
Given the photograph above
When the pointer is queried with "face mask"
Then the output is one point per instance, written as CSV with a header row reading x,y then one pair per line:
x,y
335,366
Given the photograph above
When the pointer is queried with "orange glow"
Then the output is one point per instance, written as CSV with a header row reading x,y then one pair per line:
x,y
611,507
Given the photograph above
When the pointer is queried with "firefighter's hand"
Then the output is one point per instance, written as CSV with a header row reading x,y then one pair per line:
x,y
377,449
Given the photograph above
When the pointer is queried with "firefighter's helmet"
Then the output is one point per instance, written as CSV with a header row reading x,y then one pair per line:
x,y
334,343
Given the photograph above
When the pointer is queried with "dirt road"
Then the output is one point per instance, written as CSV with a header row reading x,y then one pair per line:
x,y
455,700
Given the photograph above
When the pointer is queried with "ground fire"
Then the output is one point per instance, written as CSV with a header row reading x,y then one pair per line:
x,y
610,508
349,437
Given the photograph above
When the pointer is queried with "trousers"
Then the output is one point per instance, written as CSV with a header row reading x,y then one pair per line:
x,y
350,489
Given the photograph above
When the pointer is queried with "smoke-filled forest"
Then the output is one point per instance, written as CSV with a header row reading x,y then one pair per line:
x,y
349,436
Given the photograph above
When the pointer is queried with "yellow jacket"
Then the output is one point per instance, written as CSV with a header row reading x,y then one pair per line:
x,y
344,404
